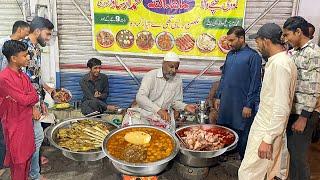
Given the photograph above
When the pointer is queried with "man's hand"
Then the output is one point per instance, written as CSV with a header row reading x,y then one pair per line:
x,y
164,114
44,109
36,114
191,108
217,104
213,116
209,102
112,107
299,125
97,94
246,112
48,88
265,151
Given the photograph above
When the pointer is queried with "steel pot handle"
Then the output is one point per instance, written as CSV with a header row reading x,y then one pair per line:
x,y
48,131
232,147
222,151
93,114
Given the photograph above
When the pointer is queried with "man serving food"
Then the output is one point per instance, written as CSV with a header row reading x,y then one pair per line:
x,y
161,89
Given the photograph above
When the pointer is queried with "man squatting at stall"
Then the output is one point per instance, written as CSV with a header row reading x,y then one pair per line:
x,y
306,56
161,88
18,98
20,30
263,153
95,88
238,92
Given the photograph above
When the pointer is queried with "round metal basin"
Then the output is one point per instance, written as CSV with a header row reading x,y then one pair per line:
x,y
207,154
51,133
141,169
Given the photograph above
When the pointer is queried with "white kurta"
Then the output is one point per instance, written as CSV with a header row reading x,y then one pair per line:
x,y
271,120
157,93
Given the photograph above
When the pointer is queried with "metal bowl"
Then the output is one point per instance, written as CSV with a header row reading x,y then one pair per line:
x,y
208,154
58,101
51,133
195,161
141,169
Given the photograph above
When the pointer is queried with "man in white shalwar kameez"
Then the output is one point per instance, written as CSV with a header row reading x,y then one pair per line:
x,y
266,139
161,89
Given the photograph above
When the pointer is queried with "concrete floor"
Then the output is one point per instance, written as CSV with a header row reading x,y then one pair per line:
x,y
62,168
314,159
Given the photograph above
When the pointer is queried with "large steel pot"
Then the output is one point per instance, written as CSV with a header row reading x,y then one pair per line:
x,y
141,169
77,156
196,162
207,154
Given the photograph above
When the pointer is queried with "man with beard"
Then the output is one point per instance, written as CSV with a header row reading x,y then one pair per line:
x,y
40,34
301,123
95,88
239,88
161,89
265,143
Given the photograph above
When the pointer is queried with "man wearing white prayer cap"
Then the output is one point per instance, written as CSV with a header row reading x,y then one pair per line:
x,y
161,89
171,57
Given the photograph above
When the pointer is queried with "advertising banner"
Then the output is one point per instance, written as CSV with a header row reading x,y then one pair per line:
x,y
190,28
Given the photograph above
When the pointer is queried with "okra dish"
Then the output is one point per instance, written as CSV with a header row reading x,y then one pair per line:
x,y
140,145
83,135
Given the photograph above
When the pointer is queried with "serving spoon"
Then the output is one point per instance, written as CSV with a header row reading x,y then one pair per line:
x,y
181,140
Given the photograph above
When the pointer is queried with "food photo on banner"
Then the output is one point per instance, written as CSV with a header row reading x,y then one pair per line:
x,y
191,28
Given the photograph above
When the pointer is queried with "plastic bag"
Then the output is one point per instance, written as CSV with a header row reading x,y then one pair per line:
x,y
156,120
132,117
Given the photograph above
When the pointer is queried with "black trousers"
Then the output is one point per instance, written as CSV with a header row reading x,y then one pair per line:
x,y
90,106
298,144
243,138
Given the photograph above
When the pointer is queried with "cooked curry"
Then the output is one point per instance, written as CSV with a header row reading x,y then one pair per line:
x,y
122,147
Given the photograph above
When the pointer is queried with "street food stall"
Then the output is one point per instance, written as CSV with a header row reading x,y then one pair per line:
x,y
143,150
133,48
138,145
131,44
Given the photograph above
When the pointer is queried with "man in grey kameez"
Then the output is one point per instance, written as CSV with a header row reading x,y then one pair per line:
x,y
95,88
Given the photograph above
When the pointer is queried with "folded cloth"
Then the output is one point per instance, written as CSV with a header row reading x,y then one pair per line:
x,y
49,118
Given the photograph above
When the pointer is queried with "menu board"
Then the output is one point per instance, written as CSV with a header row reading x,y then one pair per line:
x,y
190,28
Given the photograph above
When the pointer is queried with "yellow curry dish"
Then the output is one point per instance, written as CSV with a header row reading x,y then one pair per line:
x,y
140,145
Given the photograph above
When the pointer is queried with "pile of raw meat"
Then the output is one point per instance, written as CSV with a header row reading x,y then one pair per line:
x,y
201,140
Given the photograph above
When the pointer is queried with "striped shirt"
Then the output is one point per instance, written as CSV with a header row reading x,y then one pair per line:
x,y
307,60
